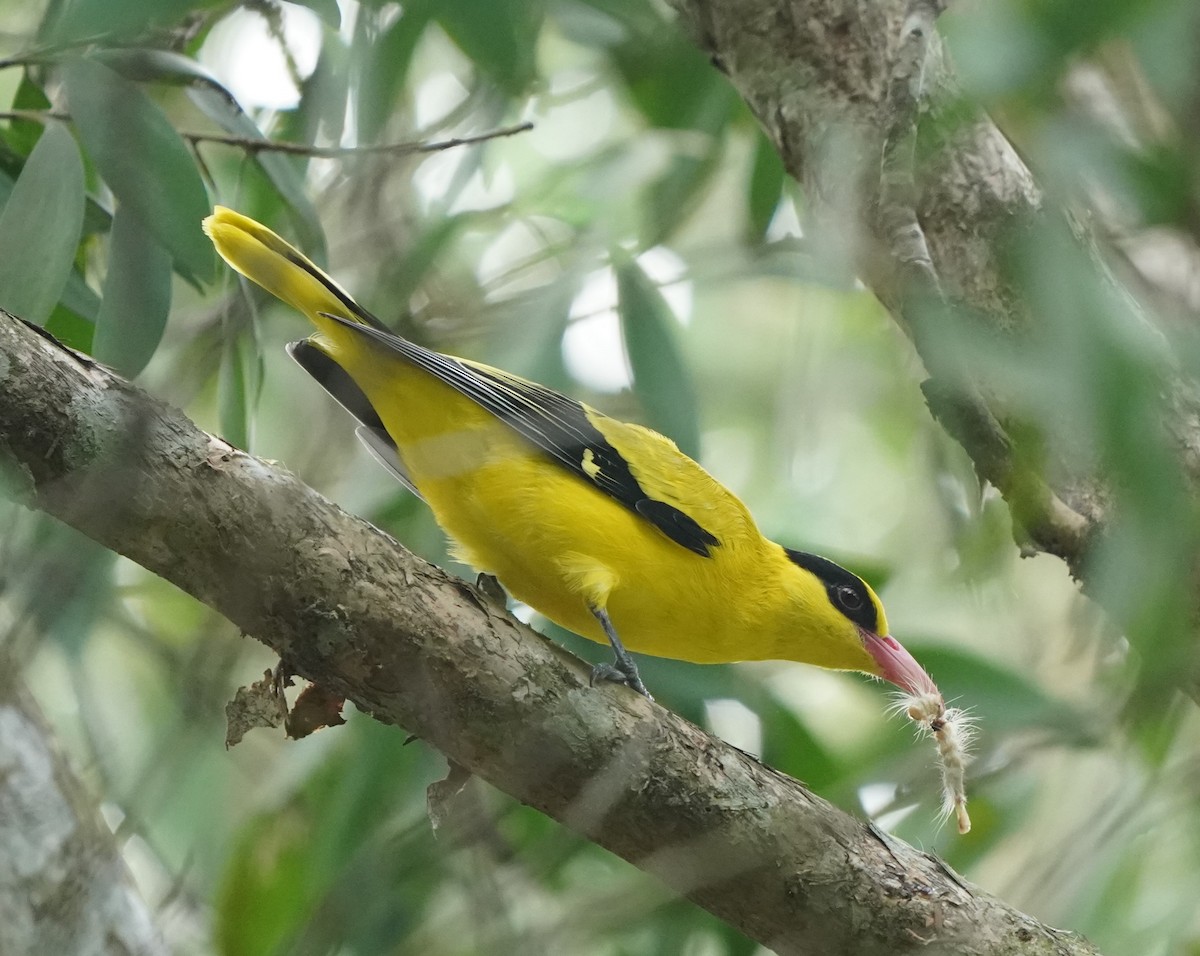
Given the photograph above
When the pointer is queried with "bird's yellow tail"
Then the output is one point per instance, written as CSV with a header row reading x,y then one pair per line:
x,y
261,256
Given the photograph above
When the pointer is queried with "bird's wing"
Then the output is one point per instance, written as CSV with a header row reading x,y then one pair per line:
x,y
565,430
379,443
338,383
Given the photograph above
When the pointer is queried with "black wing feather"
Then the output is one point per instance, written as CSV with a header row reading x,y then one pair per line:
x,y
338,383
554,423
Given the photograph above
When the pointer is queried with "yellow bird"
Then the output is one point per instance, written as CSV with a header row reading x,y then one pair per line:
x,y
605,527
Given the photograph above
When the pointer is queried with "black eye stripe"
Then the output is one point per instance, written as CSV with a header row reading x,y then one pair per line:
x,y
847,592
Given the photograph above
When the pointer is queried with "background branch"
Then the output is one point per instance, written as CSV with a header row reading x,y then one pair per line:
x,y
64,888
822,78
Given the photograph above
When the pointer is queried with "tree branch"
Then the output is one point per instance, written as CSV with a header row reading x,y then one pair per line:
x,y
920,301
837,85
349,608
63,886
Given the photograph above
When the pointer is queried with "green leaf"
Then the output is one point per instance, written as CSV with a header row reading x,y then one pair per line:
x,y
525,331
327,10
659,373
144,162
294,878
588,25
80,297
324,95
423,253
764,189
137,297
385,62
633,18
71,329
233,403
265,894
65,614
148,65
791,746
671,198
40,226
219,105
22,136
499,37
671,83
71,23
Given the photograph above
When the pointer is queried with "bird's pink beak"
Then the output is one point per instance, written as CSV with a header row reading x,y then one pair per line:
x,y
897,665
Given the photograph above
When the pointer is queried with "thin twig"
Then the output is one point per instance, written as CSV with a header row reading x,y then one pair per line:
x,y
299,149
335,152
35,116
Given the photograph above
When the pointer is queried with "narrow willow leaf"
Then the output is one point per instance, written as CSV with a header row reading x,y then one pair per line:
x,y
324,97
499,36
66,615
70,329
424,252
40,225
144,162
281,171
216,102
233,401
764,188
674,196
659,374
384,67
219,105
137,296
80,297
21,136
148,65
327,10
69,24
671,83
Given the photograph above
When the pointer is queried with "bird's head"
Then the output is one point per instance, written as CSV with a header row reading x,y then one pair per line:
x,y
850,629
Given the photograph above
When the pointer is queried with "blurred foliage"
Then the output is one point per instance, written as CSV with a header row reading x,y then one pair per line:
x,y
641,249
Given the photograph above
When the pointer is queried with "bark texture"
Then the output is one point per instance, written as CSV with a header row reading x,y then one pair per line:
x,y
64,888
352,610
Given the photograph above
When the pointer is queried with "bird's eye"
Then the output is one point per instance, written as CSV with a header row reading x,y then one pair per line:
x,y
848,598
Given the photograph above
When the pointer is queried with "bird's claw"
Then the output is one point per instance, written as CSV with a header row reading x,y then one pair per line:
x,y
623,670
605,672
615,674
489,585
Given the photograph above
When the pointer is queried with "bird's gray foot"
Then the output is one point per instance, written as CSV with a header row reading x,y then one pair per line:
x,y
622,670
